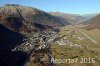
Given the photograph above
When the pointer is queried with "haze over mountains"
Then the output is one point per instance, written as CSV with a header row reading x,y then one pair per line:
x,y
93,22
73,18
89,16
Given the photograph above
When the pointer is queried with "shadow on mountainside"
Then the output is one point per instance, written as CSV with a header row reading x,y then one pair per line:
x,y
12,58
9,40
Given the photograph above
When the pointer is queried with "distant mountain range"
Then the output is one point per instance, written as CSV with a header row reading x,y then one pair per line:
x,y
93,22
89,16
73,18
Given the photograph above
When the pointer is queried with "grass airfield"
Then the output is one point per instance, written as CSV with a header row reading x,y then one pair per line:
x,y
92,49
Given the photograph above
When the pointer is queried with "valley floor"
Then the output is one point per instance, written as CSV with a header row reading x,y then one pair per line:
x,y
77,43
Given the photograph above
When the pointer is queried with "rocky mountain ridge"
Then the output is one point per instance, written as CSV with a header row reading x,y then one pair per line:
x,y
27,19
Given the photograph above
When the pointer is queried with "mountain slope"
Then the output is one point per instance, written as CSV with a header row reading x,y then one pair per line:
x,y
22,18
15,47
89,16
93,23
71,18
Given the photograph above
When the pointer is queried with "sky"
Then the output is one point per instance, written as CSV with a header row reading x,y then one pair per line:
x,y
65,6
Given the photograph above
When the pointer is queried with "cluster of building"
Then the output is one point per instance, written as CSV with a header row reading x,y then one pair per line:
x,y
63,40
36,41
43,40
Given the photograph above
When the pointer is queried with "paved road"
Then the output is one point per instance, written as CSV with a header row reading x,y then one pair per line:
x,y
91,39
